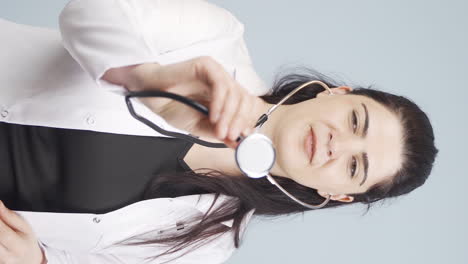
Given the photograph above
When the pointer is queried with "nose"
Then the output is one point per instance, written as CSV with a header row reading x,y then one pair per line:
x,y
343,144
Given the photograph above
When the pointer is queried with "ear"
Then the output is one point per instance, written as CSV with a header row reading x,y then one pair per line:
x,y
336,90
337,197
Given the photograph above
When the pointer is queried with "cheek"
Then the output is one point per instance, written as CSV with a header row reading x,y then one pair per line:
x,y
332,180
336,120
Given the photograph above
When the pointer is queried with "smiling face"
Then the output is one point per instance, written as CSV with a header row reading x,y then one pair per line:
x,y
350,156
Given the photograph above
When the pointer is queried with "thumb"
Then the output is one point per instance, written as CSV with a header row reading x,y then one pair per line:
x,y
235,143
14,220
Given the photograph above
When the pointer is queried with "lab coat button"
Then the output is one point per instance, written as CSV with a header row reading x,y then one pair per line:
x,y
90,120
4,113
96,220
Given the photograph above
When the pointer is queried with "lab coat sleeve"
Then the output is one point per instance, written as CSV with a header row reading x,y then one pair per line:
x,y
215,252
103,34
57,256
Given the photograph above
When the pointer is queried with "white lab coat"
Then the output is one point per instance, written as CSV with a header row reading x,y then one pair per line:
x,y
52,79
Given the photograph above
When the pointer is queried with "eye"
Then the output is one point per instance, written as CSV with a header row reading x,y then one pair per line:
x,y
354,121
353,167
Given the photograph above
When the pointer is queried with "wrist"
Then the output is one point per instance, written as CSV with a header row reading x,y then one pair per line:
x,y
139,76
133,77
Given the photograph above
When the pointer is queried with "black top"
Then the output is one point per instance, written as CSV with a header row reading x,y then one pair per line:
x,y
78,171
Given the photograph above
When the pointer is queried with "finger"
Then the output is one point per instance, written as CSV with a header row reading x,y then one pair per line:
x,y
213,74
219,94
231,143
250,120
5,255
8,237
240,120
227,113
14,220
255,105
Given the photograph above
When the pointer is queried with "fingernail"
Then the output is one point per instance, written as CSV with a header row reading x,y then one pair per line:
x,y
232,134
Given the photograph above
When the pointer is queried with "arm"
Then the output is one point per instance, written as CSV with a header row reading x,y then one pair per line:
x,y
19,244
105,34
57,256
214,252
133,77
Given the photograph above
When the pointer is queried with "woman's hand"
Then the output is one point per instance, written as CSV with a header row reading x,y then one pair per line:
x,y
205,81
18,244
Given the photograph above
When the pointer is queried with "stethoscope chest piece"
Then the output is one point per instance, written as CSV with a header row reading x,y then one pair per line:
x,y
255,155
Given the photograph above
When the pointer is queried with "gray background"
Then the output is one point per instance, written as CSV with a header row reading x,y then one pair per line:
x,y
415,48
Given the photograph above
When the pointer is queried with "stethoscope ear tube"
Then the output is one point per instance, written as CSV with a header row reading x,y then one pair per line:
x,y
310,206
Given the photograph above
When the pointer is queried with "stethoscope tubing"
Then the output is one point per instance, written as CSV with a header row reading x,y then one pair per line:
x,y
195,105
204,110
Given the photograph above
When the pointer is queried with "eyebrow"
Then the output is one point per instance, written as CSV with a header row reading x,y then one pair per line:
x,y
364,154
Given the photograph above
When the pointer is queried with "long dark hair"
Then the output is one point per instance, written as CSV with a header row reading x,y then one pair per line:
x,y
259,194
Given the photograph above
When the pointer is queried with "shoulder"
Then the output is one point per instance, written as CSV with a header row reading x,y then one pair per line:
x,y
190,19
169,25
173,13
201,10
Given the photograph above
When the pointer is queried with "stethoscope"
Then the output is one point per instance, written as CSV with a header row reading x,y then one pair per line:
x,y
255,154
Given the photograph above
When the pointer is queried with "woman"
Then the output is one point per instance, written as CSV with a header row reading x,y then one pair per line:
x,y
98,189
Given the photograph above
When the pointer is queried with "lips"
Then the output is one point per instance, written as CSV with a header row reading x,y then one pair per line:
x,y
310,144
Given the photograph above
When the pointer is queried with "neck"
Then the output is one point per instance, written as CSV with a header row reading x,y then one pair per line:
x,y
223,159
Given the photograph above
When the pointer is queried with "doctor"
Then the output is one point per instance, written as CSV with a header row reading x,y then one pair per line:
x,y
55,87
76,79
